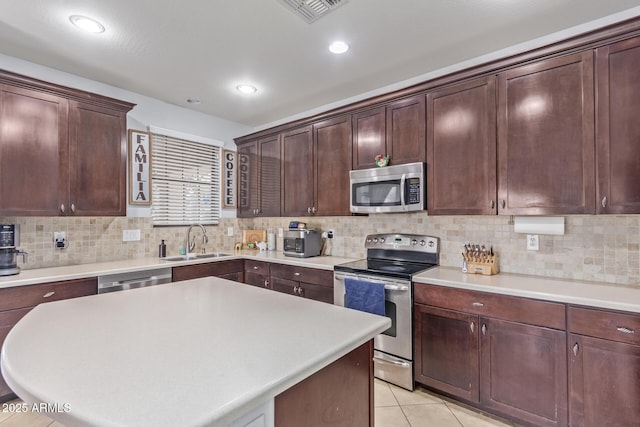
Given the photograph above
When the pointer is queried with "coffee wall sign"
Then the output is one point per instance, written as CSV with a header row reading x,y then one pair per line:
x,y
228,179
139,167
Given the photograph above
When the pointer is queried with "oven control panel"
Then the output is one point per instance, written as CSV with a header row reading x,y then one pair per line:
x,y
409,242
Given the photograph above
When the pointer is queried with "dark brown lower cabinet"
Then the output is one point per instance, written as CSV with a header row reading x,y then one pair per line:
x,y
305,282
339,395
490,356
446,351
256,273
604,368
523,372
17,301
306,290
229,269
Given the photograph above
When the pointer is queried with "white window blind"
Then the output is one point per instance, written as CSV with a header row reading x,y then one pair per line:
x,y
185,180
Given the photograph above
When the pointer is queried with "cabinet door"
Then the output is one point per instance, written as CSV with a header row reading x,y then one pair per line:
x,y
297,172
332,163
269,166
604,382
406,130
461,149
97,160
285,286
33,152
546,137
618,103
369,137
248,179
523,372
258,280
446,351
316,292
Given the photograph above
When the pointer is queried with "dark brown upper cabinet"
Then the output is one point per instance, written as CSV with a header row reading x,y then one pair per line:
x,y
406,130
297,172
461,149
62,151
546,143
259,177
618,146
369,137
332,163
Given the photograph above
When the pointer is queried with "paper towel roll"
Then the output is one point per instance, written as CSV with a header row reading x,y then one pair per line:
x,y
271,242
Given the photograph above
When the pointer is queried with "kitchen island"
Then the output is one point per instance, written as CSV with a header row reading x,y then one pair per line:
x,y
200,352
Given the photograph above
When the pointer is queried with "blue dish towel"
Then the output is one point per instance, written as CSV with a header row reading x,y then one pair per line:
x,y
364,296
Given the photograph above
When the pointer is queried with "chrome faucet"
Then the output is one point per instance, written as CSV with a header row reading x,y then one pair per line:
x,y
191,244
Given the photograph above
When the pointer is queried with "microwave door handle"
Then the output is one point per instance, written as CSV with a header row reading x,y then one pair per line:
x,y
403,182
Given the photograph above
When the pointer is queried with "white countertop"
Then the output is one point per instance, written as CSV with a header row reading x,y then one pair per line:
x,y
197,352
79,271
560,290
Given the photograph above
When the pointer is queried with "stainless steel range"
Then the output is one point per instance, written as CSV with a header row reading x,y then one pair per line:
x,y
392,259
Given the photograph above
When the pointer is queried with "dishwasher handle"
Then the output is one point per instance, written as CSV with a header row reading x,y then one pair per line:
x,y
123,285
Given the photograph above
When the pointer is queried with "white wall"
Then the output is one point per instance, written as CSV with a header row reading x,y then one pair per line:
x,y
148,111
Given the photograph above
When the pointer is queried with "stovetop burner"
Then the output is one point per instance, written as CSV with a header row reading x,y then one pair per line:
x,y
395,255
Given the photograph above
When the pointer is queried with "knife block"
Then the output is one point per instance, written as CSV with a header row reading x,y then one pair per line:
x,y
489,267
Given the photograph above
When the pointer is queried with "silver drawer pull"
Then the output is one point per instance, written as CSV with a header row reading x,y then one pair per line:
x,y
296,274
477,304
255,267
48,294
625,330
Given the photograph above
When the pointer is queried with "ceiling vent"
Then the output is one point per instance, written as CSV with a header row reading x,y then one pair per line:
x,y
312,10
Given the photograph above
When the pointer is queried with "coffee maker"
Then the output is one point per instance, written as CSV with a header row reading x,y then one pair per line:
x,y
9,239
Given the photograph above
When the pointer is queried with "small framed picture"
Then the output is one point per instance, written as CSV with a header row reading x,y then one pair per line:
x,y
228,178
139,167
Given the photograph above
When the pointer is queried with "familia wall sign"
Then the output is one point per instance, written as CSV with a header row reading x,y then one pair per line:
x,y
139,167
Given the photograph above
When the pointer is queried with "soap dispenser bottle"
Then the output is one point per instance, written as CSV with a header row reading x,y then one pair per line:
x,y
162,250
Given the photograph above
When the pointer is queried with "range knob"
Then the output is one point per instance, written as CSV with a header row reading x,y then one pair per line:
x,y
422,243
414,242
382,240
368,240
375,240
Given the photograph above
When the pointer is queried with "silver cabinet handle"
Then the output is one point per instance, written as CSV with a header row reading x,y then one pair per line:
x,y
309,210
300,290
313,209
503,203
604,202
266,283
48,294
492,204
255,267
73,207
576,348
484,329
296,273
477,304
625,330
62,207
473,327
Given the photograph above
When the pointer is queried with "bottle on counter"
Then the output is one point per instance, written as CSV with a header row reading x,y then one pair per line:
x,y
162,250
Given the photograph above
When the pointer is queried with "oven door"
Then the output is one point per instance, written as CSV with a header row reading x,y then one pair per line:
x,y
397,340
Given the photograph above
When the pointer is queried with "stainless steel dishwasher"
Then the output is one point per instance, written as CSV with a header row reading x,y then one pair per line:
x,y
133,280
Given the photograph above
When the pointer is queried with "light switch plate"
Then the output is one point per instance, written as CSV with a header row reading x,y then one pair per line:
x,y
280,232
229,231
131,235
533,242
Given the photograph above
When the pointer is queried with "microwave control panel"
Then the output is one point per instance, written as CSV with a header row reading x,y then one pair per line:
x,y
413,185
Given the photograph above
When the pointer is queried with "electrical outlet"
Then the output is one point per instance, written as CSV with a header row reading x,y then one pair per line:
x,y
131,235
533,243
229,231
59,239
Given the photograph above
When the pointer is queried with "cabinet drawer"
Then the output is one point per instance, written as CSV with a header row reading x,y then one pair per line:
x,y
609,325
8,319
303,274
32,295
218,269
515,309
257,267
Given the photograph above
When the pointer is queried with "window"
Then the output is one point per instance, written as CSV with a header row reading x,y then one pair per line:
x,y
185,180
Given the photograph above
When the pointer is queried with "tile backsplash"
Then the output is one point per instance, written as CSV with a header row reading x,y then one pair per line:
x,y
601,248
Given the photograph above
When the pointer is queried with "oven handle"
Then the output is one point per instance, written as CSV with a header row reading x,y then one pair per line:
x,y
392,362
387,286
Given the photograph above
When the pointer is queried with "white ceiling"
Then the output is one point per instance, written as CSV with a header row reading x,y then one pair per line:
x,y
174,50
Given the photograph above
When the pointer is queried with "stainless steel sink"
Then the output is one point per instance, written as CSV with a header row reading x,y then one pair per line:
x,y
195,256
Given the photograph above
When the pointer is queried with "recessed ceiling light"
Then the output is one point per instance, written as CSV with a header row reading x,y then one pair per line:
x,y
244,88
87,24
338,47
193,101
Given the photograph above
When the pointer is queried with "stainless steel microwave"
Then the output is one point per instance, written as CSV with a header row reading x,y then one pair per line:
x,y
397,188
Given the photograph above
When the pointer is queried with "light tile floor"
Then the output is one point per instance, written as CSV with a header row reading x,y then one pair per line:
x,y
394,407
